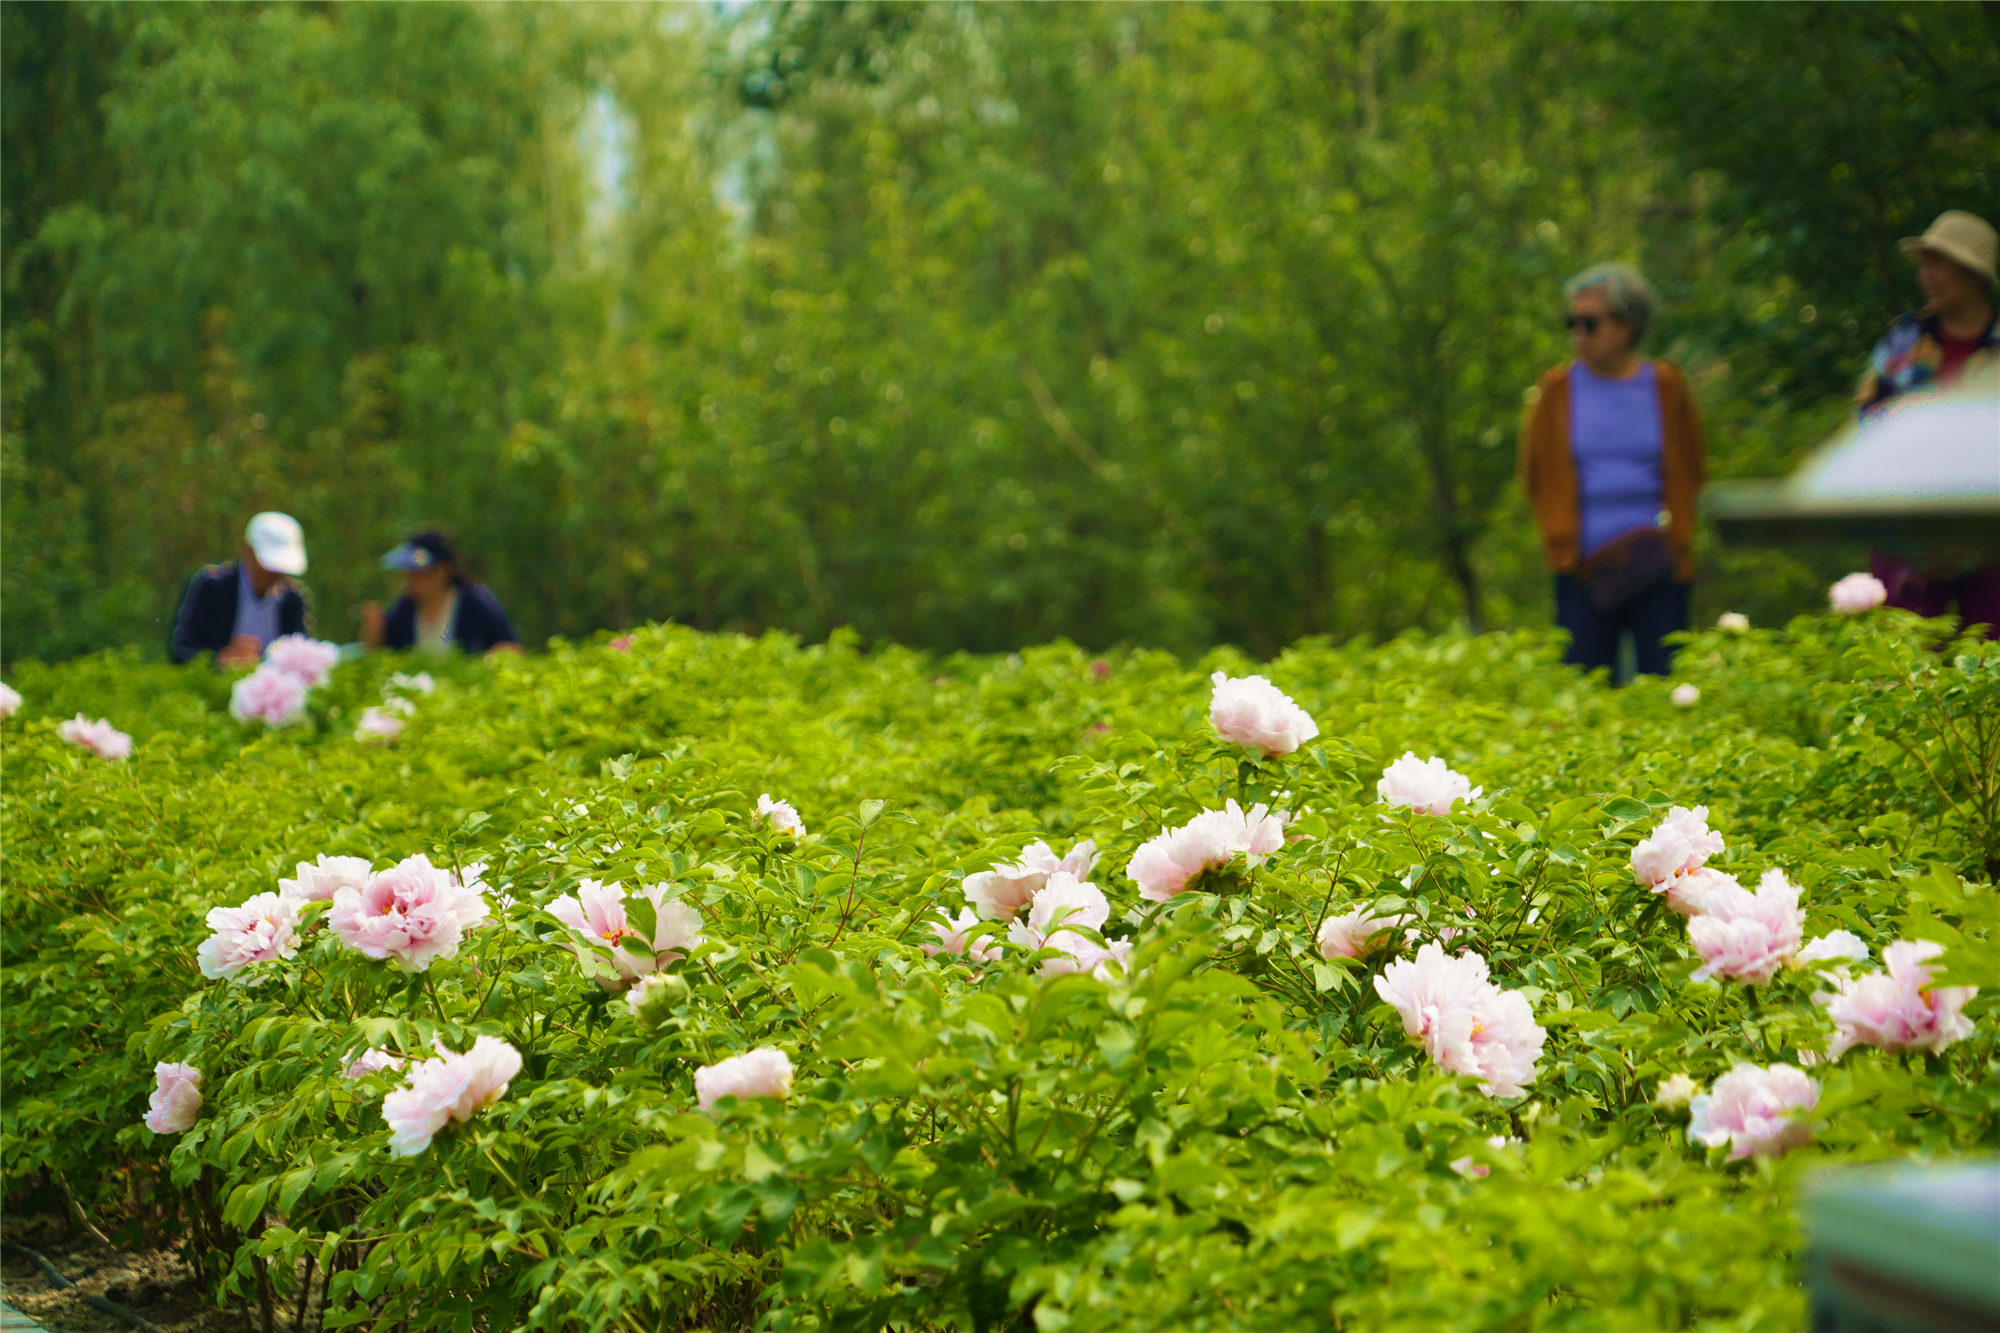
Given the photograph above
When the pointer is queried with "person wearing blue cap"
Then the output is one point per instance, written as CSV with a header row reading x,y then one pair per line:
x,y
234,609
440,608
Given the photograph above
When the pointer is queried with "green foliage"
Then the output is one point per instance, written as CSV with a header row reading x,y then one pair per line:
x,y
1235,1134
1908,127
964,326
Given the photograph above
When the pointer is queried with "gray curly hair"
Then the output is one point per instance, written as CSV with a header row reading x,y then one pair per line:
x,y
1626,293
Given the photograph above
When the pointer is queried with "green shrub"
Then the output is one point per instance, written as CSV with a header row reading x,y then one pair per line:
x,y
1231,1132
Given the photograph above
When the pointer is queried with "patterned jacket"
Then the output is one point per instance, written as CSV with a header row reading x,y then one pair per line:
x,y
1907,360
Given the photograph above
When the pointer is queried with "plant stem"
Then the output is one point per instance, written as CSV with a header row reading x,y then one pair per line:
x,y
853,884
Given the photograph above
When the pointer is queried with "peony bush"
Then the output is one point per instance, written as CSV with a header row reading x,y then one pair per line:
x,y
1104,992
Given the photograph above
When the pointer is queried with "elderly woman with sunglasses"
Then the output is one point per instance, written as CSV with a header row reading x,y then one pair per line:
x,y
1613,456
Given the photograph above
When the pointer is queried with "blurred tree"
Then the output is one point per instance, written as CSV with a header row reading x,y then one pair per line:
x,y
966,325
221,210
1830,131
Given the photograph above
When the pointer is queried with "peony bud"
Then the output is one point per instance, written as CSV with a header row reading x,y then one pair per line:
x,y
654,999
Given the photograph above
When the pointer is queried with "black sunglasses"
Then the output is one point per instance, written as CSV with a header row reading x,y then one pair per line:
x,y
1588,323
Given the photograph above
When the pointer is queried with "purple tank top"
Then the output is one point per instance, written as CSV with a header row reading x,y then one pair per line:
x,y
1614,432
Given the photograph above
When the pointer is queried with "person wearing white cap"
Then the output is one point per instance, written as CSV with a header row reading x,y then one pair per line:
x,y
1956,331
234,609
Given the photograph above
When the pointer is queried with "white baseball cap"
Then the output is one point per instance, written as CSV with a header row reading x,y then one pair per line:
x,y
278,541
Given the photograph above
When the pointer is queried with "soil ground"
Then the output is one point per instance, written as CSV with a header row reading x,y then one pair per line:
x,y
153,1284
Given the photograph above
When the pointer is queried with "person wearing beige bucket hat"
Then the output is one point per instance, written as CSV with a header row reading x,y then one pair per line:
x,y
1956,331
1954,335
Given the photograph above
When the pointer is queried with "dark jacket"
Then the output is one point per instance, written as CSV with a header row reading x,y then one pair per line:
x,y
207,616
477,623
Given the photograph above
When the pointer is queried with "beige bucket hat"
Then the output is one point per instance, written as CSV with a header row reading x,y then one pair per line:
x,y
1964,238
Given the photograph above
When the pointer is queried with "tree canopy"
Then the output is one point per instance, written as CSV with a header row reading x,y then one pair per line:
x,y
963,325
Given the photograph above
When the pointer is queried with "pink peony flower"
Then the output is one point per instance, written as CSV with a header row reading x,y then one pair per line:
x,y
1252,712
1680,845
452,1087
1466,1023
1114,959
264,928
954,937
310,660
1898,1009
783,818
318,881
1170,863
764,1072
1358,935
412,913
1747,937
369,1062
1686,696
1757,1112
378,724
473,877
10,701
1473,1169
1688,893
1425,786
1732,622
1064,908
176,1099
275,698
598,917
1676,1092
1843,945
1857,593
99,737
998,894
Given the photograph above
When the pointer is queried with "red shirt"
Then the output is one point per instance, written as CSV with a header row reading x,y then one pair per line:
x,y
1955,350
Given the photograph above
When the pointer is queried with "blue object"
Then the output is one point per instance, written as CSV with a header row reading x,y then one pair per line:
x,y
1615,434
1904,1249
1594,635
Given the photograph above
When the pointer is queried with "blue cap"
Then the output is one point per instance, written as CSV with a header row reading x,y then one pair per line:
x,y
420,552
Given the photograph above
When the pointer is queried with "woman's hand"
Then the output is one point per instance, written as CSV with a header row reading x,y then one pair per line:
x,y
241,651
372,625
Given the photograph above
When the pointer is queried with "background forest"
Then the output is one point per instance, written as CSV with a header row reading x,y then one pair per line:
x,y
967,326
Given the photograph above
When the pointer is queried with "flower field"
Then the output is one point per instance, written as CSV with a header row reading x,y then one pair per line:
x,y
699,981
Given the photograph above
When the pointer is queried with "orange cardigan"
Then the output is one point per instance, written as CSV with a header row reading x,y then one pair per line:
x,y
1548,467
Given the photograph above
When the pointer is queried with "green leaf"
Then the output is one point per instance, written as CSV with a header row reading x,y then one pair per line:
x,y
1327,977
642,916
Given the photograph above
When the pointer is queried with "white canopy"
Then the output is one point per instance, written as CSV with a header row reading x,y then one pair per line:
x,y
1946,447
1926,470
